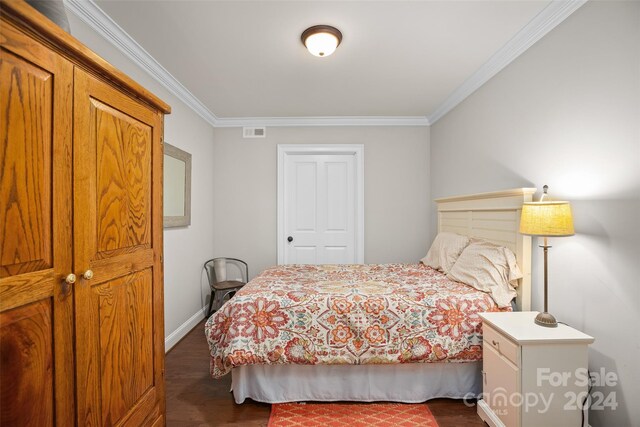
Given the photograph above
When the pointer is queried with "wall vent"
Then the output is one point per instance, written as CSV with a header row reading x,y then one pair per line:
x,y
254,132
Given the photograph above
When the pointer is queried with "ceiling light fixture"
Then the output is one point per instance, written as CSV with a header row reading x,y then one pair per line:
x,y
321,40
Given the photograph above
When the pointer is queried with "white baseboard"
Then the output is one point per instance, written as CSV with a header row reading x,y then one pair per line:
x,y
175,336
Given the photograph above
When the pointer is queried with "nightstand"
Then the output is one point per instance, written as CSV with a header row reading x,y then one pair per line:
x,y
532,375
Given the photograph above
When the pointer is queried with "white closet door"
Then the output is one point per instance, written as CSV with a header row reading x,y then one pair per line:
x,y
319,209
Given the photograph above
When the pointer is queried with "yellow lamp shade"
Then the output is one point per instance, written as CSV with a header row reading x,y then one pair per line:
x,y
546,219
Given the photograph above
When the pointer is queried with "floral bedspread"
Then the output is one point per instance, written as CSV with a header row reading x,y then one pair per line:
x,y
348,314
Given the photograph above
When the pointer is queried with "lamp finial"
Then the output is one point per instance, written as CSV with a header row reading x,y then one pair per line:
x,y
545,188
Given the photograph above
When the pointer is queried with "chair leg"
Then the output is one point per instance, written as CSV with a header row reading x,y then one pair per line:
x,y
210,303
217,303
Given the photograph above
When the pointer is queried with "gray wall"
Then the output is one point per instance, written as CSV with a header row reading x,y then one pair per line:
x,y
185,249
396,190
567,114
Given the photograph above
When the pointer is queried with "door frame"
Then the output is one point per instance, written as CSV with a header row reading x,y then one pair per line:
x,y
356,150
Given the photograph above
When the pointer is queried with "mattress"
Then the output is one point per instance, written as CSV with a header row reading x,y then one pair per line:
x,y
348,315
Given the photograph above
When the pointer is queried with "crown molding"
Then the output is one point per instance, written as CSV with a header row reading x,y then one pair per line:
x,y
91,14
550,17
323,121
545,21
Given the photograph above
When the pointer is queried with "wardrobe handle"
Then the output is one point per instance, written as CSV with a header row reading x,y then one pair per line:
x,y
66,285
87,275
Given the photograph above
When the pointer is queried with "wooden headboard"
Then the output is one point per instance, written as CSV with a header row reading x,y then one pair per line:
x,y
495,217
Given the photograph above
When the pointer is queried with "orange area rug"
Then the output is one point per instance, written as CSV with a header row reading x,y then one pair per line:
x,y
351,415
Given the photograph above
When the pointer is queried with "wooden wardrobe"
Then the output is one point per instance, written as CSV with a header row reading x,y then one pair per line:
x,y
81,293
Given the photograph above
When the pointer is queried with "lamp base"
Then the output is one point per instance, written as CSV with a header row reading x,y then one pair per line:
x,y
546,319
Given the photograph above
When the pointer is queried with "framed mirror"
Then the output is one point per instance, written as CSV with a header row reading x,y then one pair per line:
x,y
177,187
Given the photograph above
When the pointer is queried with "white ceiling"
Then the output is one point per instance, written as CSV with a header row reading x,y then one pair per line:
x,y
397,58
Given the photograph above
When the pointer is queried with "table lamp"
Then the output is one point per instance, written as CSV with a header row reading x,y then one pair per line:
x,y
547,219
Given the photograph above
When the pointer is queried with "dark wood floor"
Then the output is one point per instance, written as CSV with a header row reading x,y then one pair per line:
x,y
195,399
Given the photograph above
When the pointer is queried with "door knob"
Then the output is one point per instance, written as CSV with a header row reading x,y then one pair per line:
x,y
87,275
289,239
68,281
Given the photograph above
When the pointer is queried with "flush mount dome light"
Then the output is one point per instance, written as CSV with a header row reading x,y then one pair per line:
x,y
321,40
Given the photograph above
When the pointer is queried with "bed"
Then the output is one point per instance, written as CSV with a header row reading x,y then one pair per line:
x,y
394,332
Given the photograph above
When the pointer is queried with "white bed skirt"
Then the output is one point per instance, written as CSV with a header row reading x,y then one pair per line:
x,y
407,383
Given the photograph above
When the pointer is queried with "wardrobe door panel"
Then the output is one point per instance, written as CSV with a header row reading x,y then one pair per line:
x,y
36,318
26,341
123,181
117,144
125,338
27,98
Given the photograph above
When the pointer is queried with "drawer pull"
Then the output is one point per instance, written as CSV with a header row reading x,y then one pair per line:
x,y
501,345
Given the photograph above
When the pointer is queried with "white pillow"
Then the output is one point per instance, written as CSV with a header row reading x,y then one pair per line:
x,y
488,268
445,250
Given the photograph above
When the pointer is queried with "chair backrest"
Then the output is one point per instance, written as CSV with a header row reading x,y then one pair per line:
x,y
222,269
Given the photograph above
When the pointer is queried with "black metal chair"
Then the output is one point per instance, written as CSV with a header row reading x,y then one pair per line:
x,y
226,277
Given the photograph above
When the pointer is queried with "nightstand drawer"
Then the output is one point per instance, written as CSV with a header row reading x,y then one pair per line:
x,y
501,344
